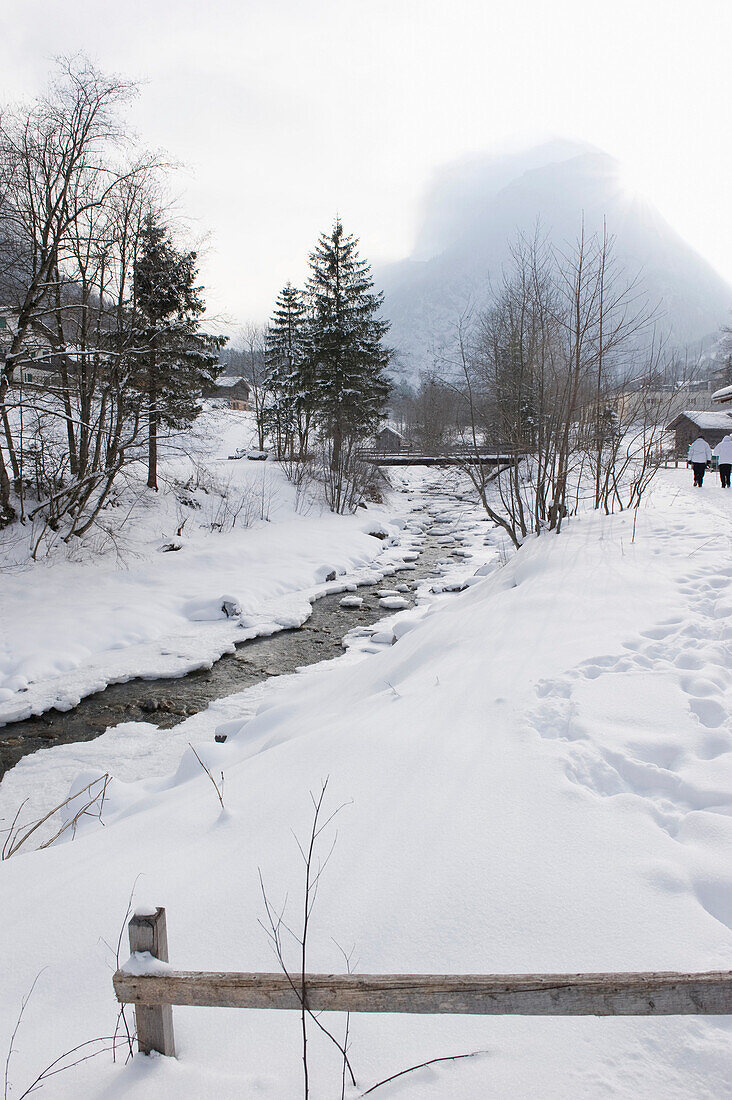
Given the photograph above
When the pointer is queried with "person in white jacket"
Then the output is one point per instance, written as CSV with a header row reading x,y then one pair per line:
x,y
700,453
723,453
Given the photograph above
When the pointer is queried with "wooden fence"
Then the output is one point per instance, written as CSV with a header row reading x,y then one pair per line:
x,y
635,994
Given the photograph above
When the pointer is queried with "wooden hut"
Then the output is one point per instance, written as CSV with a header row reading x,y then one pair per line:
x,y
235,391
387,441
692,423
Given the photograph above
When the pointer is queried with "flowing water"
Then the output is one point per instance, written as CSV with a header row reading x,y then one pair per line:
x,y
166,702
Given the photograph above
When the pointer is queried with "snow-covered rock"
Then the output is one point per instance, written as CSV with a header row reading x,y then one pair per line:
x,y
208,609
351,601
393,603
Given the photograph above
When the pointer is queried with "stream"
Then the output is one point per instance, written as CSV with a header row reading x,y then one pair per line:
x,y
166,702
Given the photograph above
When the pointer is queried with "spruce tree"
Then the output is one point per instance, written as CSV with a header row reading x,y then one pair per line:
x,y
178,362
348,358
288,378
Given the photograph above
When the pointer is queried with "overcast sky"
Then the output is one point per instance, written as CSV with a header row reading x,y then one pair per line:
x,y
286,111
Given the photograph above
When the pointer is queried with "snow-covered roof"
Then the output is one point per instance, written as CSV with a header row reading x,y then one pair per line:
x,y
725,394
705,421
230,380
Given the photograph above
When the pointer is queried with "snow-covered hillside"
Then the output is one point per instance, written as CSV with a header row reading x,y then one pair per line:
x,y
537,777
472,216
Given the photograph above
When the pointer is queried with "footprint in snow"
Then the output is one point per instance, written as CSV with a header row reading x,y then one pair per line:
x,y
709,712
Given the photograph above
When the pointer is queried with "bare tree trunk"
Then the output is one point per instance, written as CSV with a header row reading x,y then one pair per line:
x,y
335,459
7,512
152,430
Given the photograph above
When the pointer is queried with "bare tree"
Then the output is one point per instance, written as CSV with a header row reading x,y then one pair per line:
x,y
48,153
76,200
93,348
543,372
433,415
255,371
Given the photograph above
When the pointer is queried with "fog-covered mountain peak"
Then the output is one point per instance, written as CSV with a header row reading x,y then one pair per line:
x,y
476,207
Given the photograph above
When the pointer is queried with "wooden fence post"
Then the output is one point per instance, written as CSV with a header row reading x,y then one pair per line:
x,y
148,932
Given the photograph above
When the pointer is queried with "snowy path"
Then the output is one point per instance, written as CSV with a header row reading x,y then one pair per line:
x,y
619,741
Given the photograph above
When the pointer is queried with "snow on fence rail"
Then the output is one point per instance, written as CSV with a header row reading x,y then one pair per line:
x,y
153,987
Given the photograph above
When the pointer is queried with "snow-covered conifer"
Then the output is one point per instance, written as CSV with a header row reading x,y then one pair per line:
x,y
345,333
178,361
288,378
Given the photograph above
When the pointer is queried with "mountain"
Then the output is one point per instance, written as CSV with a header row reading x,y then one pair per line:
x,y
474,211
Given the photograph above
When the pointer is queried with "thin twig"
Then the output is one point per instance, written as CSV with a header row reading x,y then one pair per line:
x,y
277,922
9,838
219,793
431,1062
17,842
23,1005
347,956
50,1071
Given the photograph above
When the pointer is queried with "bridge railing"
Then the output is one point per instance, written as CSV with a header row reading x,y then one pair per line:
x,y
450,457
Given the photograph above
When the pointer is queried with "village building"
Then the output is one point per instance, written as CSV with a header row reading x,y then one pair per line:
x,y
671,399
35,367
236,391
696,394
723,396
690,424
387,441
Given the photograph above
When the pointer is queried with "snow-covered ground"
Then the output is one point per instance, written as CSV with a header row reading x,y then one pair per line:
x,y
134,750
70,627
537,777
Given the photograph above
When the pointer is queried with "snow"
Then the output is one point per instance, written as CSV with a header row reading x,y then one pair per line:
x,y
155,615
351,601
725,394
708,421
142,962
393,603
536,776
226,380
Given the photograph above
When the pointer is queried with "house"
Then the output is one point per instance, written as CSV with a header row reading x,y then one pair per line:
x,y
387,441
671,399
695,395
691,424
235,391
34,367
40,374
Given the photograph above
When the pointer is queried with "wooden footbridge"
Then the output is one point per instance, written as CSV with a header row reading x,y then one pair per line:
x,y
461,457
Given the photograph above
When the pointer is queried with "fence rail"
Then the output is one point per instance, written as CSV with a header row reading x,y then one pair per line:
x,y
634,994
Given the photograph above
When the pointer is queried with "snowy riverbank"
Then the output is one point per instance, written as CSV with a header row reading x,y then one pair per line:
x,y
538,778
441,524
70,627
